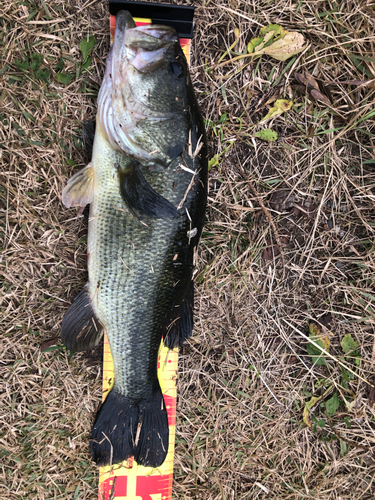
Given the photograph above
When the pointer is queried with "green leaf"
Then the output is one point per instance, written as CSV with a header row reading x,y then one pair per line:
x,y
213,162
267,135
332,405
348,344
64,78
43,74
315,354
254,43
19,130
86,46
87,63
275,28
37,60
223,118
55,348
22,65
346,376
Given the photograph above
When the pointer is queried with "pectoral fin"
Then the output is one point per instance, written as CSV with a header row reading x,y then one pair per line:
x,y
79,190
141,198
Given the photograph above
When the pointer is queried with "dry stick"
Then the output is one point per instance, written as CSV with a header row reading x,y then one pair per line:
x,y
112,496
273,225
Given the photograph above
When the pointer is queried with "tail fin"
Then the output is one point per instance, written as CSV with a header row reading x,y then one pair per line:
x,y
123,428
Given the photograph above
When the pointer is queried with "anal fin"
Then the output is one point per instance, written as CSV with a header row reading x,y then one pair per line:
x,y
80,329
79,190
141,198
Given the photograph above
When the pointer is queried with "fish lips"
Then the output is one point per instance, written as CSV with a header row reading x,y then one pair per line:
x,y
144,47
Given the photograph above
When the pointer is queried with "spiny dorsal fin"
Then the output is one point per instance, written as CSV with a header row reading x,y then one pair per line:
x,y
79,190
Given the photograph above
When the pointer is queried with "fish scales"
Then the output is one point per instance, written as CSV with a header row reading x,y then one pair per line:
x,y
127,269
147,189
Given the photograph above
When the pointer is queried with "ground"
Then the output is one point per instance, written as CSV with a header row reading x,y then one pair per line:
x,y
287,253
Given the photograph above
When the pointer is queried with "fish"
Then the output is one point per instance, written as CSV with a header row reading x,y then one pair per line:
x,y
146,186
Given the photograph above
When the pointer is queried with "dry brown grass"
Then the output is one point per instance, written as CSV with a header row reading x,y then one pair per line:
x,y
245,375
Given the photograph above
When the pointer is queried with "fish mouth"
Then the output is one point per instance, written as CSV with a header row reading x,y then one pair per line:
x,y
143,47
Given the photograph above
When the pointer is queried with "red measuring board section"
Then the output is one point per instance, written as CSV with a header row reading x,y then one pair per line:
x,y
128,480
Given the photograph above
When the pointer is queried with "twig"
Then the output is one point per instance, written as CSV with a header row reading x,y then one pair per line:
x,y
112,495
273,225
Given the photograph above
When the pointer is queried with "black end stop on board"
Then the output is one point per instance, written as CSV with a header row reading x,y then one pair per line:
x,y
180,17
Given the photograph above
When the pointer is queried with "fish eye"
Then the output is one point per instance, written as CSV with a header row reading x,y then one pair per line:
x,y
177,70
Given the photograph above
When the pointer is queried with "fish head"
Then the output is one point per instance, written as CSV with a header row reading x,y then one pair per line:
x,y
146,78
157,73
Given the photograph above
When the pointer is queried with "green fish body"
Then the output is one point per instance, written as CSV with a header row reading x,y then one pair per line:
x,y
147,189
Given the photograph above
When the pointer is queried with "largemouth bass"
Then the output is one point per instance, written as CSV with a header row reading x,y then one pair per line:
x,y
147,189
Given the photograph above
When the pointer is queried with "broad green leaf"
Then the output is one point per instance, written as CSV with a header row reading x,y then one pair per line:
x,y
87,63
23,65
223,118
267,135
43,74
86,46
280,106
348,344
64,78
332,405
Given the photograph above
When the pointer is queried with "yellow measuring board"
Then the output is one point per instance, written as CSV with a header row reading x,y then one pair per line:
x,y
128,480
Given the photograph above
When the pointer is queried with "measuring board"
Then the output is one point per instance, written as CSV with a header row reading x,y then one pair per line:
x,y
128,480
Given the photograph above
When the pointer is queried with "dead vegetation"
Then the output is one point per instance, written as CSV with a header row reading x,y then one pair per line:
x,y
288,243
